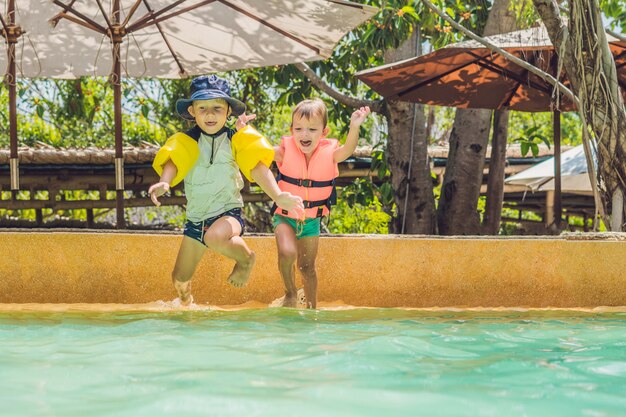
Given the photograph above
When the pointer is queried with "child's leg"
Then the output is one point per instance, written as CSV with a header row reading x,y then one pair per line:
x,y
287,253
307,253
223,237
189,255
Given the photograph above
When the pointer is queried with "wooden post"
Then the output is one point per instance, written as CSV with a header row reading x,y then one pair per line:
x,y
12,32
90,219
116,80
549,219
557,169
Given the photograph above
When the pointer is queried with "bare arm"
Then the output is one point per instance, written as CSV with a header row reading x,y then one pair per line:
x,y
279,153
358,117
262,175
163,186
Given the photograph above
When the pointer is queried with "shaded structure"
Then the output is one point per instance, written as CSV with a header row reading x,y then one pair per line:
x,y
574,176
468,75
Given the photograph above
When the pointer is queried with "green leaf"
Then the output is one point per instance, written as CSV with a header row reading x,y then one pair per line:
x,y
40,110
386,191
382,170
531,130
543,139
145,110
535,149
525,147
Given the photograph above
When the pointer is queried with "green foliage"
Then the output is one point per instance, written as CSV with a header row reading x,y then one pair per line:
x,y
523,125
4,114
79,113
615,10
470,14
440,121
529,141
525,13
363,191
508,227
149,109
379,163
357,218
480,207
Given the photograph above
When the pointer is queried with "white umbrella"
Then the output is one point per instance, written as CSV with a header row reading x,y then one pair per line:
x,y
540,177
168,39
174,38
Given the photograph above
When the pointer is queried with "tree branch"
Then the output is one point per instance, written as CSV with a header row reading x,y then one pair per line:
x,y
543,75
376,106
616,35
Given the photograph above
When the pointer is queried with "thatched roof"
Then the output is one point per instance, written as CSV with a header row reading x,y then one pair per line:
x,y
85,156
441,151
145,155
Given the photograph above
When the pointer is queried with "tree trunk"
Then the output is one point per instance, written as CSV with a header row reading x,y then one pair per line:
x,y
457,212
410,170
495,182
591,70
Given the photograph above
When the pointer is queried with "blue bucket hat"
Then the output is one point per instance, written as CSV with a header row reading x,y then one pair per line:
x,y
208,88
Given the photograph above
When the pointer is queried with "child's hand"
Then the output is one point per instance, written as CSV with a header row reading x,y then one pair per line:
x,y
359,116
157,190
290,202
243,120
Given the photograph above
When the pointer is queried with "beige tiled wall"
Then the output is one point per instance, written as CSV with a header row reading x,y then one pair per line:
x,y
364,271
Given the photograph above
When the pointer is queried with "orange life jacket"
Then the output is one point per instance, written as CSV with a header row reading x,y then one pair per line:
x,y
315,182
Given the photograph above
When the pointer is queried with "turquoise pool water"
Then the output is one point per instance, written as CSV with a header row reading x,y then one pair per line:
x,y
277,362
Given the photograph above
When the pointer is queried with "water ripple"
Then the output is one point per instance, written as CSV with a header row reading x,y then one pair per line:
x,y
268,362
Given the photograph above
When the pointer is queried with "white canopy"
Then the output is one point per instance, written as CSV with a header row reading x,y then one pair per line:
x,y
574,176
219,36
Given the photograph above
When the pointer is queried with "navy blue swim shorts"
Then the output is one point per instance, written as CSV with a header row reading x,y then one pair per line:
x,y
196,230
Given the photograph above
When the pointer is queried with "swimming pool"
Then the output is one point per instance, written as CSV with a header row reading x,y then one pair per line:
x,y
274,362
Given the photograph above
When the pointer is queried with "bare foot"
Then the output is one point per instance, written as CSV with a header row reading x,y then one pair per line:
x,y
293,301
184,292
178,303
241,272
290,300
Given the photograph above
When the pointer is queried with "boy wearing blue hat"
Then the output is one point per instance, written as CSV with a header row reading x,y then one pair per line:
x,y
209,158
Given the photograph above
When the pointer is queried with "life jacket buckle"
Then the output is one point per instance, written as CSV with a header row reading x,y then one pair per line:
x,y
305,183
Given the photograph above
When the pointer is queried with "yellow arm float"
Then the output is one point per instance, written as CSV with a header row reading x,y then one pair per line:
x,y
250,148
182,150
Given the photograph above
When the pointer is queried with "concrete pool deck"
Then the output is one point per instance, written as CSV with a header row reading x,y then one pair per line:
x,y
371,271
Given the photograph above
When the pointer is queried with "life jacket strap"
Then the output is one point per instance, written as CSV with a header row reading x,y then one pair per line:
x,y
320,204
304,182
316,203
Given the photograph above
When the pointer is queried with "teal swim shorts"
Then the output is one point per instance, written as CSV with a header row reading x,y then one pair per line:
x,y
310,227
